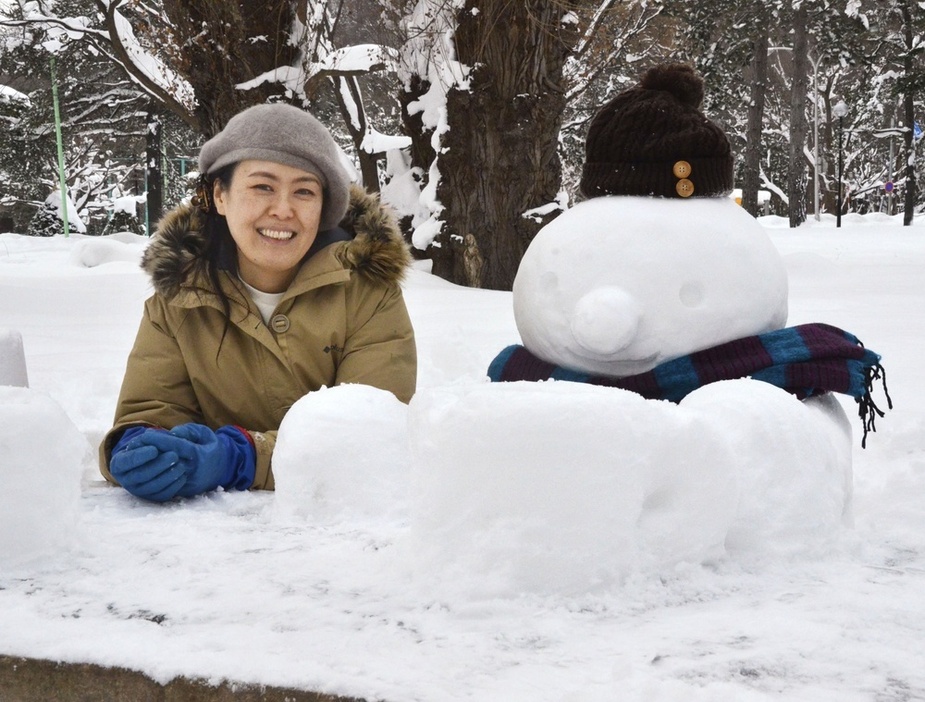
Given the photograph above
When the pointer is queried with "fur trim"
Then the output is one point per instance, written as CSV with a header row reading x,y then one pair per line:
x,y
377,250
176,250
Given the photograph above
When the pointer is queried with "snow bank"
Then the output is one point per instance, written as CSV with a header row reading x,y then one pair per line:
x,y
217,587
90,252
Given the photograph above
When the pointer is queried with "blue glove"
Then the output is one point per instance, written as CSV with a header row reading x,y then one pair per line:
x,y
209,459
144,470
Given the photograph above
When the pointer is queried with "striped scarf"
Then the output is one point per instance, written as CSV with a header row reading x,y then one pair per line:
x,y
805,360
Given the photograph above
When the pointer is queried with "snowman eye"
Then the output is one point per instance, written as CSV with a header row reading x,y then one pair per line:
x,y
549,281
691,294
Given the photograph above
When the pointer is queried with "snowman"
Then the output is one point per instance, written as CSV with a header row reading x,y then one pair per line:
x,y
659,410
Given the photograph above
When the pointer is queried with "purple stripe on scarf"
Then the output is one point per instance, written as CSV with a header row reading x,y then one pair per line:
x,y
824,340
523,365
734,359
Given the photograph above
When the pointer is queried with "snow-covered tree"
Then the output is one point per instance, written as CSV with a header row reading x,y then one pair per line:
x,y
492,92
774,69
124,221
619,40
46,222
102,116
486,87
898,28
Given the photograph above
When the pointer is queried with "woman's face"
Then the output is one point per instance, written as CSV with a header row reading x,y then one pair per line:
x,y
273,213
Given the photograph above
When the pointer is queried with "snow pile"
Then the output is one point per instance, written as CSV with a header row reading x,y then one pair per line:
x,y
564,488
42,455
96,251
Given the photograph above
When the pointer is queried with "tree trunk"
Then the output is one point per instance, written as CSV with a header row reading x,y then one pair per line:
x,y
422,149
796,180
224,44
759,87
154,172
909,114
499,157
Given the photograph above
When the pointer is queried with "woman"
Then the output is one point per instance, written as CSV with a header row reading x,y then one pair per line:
x,y
278,279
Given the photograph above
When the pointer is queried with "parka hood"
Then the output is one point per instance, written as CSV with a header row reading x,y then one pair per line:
x,y
374,247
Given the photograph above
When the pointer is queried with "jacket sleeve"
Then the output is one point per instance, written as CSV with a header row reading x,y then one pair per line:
x,y
380,348
156,390
264,444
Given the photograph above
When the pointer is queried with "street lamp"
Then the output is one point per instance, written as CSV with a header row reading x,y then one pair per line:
x,y
840,110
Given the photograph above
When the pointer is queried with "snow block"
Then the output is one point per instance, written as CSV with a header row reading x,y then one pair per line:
x,y
12,359
41,459
509,497
509,494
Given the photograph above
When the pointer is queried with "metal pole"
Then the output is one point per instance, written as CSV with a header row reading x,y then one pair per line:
x,y
62,182
838,203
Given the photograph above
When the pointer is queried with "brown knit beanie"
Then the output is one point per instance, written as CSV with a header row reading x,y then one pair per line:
x,y
287,135
653,140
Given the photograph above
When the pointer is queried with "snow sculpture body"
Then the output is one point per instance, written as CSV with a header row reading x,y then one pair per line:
x,y
617,287
663,447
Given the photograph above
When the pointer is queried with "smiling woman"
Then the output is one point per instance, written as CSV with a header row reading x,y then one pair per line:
x,y
279,278
272,213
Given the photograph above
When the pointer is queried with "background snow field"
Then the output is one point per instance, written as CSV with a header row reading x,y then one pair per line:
x,y
498,543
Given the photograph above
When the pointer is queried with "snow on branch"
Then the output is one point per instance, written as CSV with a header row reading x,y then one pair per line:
x,y
293,78
357,60
146,67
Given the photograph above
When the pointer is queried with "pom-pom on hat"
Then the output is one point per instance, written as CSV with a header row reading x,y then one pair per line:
x,y
283,134
653,140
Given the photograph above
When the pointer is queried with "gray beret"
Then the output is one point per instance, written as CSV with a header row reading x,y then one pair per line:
x,y
287,135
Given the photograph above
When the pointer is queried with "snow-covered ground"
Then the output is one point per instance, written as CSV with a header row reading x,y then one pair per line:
x,y
342,589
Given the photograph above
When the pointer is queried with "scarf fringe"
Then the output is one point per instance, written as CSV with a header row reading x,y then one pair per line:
x,y
867,408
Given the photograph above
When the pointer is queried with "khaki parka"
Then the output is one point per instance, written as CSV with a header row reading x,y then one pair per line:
x,y
342,320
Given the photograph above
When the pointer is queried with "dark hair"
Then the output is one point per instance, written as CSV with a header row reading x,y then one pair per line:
x,y
220,252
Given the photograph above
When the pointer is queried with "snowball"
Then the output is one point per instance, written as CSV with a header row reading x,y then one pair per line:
x,y
617,285
41,460
794,464
342,453
12,359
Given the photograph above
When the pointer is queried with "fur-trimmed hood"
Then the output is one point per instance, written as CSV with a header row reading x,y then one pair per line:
x,y
375,247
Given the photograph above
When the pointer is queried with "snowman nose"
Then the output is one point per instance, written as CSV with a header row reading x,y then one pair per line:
x,y
605,320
